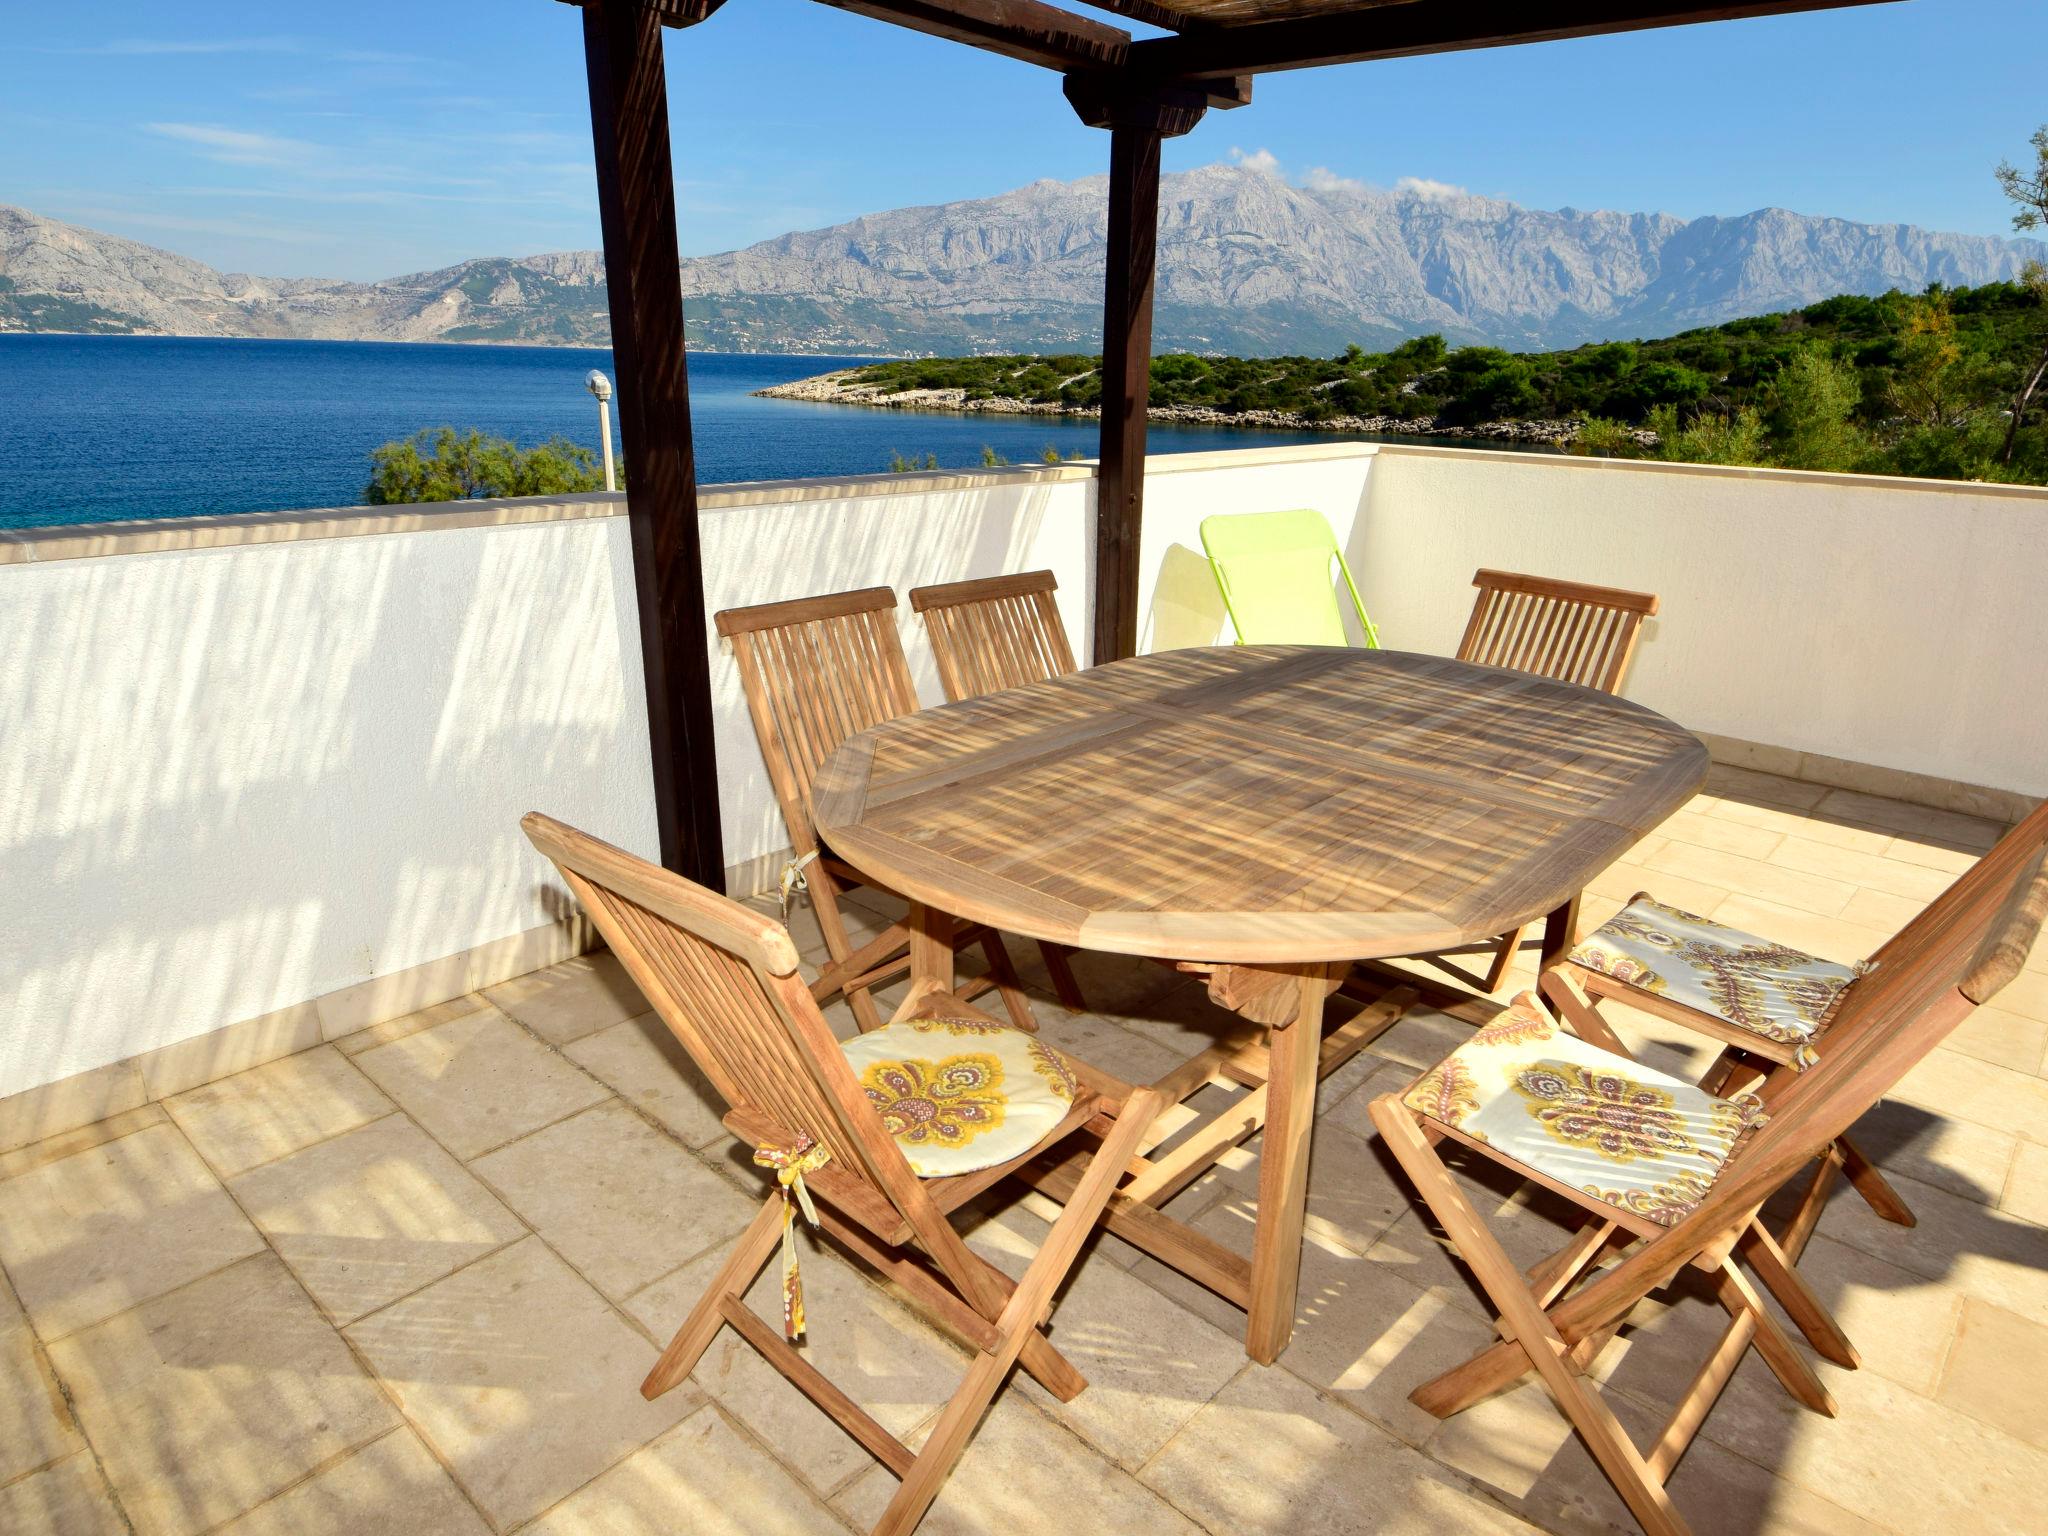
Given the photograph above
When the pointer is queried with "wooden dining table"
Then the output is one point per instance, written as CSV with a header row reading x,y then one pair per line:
x,y
1265,816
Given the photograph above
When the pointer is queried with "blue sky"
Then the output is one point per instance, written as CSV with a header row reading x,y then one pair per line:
x,y
380,138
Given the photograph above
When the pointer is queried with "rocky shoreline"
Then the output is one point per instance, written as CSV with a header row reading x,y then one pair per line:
x,y
841,388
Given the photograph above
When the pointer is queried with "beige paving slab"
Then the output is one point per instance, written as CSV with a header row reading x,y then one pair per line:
x,y
1959,1156
1109,1044
877,1351
478,1081
521,1377
1729,836
52,1148
1754,877
1272,1455
1517,1446
2026,994
641,1060
259,1115
1530,1224
1998,1371
1841,831
703,1477
1956,1242
1150,1365
391,1486
617,1198
1870,871
2026,1189
1022,1473
1355,1189
2003,1038
355,1042
36,1114
207,1401
572,999
1623,882
1891,1456
1875,909
373,1215
35,1424
69,1499
1919,822
94,1233
1949,1083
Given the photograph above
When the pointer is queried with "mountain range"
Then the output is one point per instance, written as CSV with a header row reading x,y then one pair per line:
x,y
1248,263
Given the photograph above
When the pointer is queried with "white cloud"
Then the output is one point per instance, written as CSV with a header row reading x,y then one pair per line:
x,y
1321,178
1422,186
234,146
1264,161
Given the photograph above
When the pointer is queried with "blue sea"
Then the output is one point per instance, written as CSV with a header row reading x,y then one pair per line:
x,y
98,428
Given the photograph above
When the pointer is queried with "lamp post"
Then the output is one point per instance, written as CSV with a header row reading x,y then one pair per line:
x,y
601,387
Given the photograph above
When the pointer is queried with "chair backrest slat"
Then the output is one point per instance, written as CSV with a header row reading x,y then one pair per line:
x,y
994,633
815,671
1564,630
724,980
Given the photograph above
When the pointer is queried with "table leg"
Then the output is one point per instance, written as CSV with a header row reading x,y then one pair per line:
x,y
1560,933
931,956
1292,1060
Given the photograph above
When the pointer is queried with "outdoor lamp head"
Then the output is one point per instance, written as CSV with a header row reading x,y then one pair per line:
x,y
598,385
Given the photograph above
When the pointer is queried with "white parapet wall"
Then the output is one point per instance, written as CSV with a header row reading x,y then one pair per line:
x,y
1853,619
260,777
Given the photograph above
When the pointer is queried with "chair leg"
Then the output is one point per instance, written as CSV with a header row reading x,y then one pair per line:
x,y
1019,1319
1872,1185
1525,1322
1015,1003
741,1268
1733,1290
825,902
1503,957
1579,1011
1774,1269
1061,972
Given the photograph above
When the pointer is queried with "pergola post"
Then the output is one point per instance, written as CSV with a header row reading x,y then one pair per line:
x,y
1138,124
636,198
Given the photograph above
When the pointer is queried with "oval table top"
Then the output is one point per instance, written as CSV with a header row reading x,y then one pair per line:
x,y
1257,804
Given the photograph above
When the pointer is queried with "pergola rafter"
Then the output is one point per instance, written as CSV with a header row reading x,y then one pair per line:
x,y
1143,91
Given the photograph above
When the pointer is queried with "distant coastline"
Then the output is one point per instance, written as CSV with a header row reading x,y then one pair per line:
x,y
841,387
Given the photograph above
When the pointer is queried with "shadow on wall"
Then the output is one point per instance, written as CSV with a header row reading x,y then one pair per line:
x,y
1187,608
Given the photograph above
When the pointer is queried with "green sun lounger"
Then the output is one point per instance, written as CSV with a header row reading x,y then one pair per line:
x,y
1273,569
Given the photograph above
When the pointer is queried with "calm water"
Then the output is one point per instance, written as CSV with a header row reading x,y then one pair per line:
x,y
94,428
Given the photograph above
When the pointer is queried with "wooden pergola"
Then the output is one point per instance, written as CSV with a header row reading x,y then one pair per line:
x,y
1143,91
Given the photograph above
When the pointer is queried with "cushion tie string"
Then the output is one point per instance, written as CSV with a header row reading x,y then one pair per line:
x,y
793,879
791,1163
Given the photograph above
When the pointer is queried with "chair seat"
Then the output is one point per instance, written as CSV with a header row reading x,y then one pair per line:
x,y
1626,1134
959,1095
1771,990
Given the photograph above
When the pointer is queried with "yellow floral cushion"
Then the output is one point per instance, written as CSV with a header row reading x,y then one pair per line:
x,y
1622,1132
1772,990
958,1094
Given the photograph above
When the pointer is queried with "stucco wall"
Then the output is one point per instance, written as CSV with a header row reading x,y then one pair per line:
x,y
1894,622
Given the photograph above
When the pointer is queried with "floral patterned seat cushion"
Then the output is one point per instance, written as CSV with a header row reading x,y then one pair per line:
x,y
959,1095
1772,990
1624,1133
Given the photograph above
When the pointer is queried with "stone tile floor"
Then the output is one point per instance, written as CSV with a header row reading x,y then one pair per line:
x,y
409,1284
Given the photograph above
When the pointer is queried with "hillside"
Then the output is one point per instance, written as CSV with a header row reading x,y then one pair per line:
x,y
1249,264
1901,383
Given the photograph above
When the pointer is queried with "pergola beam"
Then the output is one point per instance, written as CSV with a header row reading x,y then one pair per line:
x,y
1402,31
1019,29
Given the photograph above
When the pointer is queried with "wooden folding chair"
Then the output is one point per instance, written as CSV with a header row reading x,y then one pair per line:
x,y
993,633
1770,1006
815,671
1563,630
724,979
1684,1174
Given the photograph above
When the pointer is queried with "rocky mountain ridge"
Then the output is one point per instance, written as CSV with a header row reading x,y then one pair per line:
x,y
1249,263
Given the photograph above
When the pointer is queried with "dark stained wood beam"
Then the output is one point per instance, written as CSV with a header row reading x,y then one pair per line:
x,y
1017,29
1149,11
636,199
1432,26
673,13
1137,127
